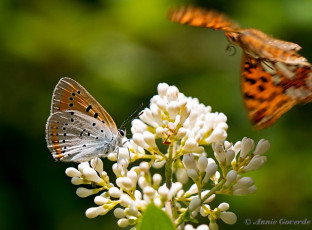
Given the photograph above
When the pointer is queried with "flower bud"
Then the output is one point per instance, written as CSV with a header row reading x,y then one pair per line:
x,y
142,182
91,175
194,204
173,109
95,211
189,161
157,164
244,182
163,192
161,132
133,176
116,169
149,191
230,178
228,217
162,89
72,172
156,179
84,192
190,145
181,175
192,190
99,200
83,165
126,183
262,146
126,199
97,164
230,154
209,199
175,188
202,163
246,146
255,163
133,211
252,189
192,173
188,227
223,206
137,126
139,140
202,227
123,222
119,213
144,167
172,93
149,139
114,192
112,156
210,171
77,181
181,133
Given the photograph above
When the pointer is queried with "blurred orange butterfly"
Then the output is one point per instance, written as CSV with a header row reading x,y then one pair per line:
x,y
274,77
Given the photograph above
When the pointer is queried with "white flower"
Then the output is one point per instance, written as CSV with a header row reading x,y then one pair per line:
x,y
230,178
194,204
181,175
255,163
228,217
244,186
262,146
72,172
96,211
210,171
246,146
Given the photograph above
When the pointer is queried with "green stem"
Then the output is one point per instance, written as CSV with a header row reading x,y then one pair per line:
x,y
168,167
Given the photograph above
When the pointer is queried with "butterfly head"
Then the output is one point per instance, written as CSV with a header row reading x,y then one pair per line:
x,y
121,135
232,37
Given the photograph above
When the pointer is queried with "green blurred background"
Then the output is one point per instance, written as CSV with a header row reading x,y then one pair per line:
x,y
120,50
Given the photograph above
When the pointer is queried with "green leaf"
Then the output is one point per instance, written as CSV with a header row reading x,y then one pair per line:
x,y
155,219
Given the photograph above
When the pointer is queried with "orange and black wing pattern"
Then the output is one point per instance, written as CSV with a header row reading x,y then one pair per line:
x,y
196,16
270,89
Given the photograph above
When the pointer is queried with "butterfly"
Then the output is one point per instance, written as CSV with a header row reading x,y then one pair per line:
x,y
274,77
79,128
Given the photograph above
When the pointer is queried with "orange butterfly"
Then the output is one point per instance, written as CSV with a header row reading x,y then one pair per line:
x,y
274,77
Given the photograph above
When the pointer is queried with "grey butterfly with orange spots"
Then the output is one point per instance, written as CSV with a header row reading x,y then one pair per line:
x,y
79,128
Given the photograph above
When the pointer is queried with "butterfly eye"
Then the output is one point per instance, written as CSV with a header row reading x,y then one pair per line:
x,y
232,37
121,132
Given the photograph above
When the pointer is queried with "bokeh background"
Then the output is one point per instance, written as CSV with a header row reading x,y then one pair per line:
x,y
120,50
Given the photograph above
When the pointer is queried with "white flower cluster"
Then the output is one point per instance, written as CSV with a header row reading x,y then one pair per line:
x,y
173,117
172,132
133,192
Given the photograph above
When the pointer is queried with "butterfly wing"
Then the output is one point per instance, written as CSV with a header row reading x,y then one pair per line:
x,y
270,89
197,16
259,45
70,95
75,136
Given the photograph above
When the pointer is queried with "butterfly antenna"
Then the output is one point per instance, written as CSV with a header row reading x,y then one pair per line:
x,y
230,50
130,117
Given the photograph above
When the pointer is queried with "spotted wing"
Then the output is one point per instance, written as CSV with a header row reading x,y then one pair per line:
x,y
75,136
197,16
272,88
70,95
